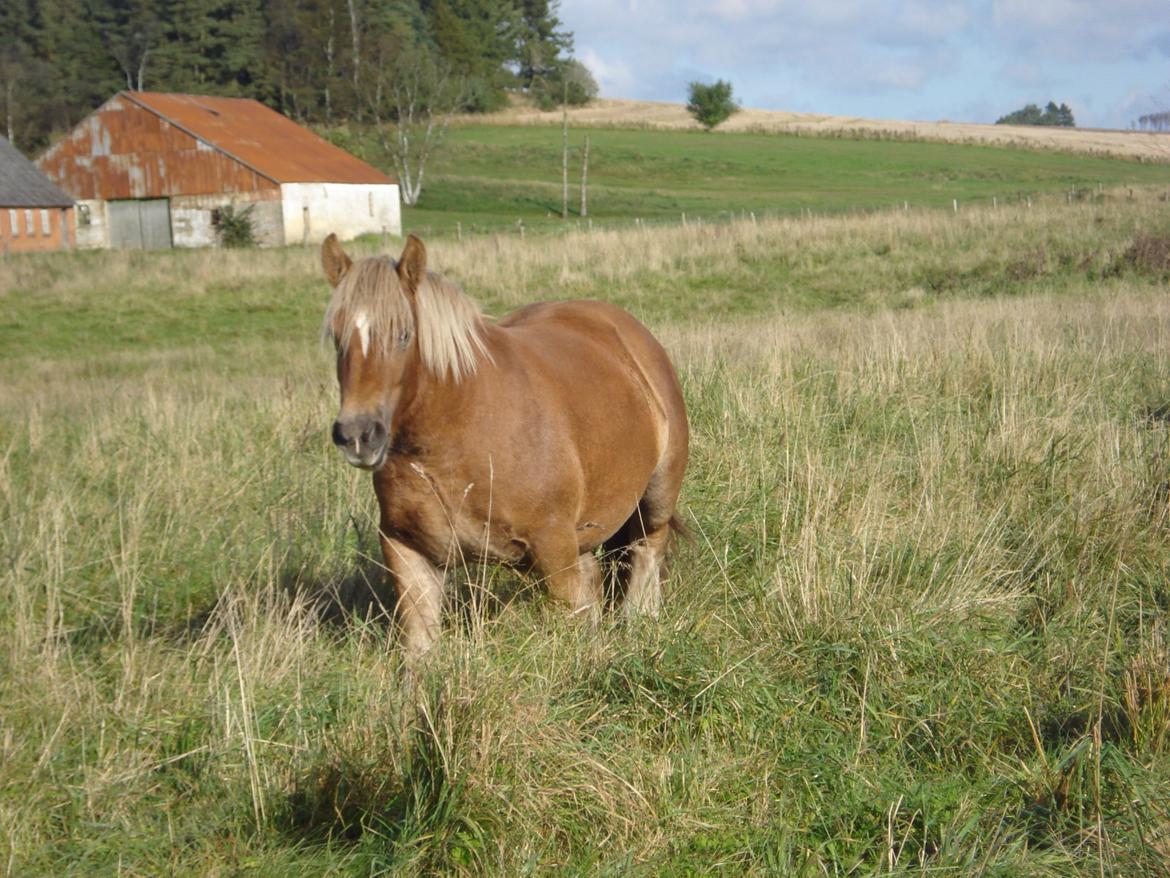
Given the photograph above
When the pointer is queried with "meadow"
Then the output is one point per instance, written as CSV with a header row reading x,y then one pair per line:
x,y
491,178
922,628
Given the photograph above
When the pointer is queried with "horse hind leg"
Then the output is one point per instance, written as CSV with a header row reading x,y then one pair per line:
x,y
636,556
644,567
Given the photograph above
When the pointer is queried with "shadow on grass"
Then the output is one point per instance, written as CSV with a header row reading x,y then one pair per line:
x,y
359,596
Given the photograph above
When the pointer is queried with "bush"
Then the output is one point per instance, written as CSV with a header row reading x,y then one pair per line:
x,y
570,82
234,227
711,104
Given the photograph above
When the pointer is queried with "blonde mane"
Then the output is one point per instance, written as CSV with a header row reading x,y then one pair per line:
x,y
449,325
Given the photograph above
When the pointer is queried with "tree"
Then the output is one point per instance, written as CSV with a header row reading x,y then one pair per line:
x,y
1154,121
130,31
1030,114
711,104
567,82
411,100
540,44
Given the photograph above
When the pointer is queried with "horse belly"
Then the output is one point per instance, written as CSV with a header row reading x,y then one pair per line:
x,y
445,516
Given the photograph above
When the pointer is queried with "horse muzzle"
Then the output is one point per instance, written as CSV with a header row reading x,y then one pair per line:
x,y
363,439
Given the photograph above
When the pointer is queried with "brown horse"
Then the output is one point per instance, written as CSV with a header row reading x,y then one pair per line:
x,y
536,439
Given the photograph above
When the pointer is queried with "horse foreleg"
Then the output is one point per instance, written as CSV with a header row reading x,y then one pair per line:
x,y
419,586
572,578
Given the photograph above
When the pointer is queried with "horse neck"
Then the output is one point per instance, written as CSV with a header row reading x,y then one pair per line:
x,y
427,399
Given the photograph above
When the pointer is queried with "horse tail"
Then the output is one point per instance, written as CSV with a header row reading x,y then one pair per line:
x,y
679,530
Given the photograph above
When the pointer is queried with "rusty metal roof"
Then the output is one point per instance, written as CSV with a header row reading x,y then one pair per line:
x,y
259,137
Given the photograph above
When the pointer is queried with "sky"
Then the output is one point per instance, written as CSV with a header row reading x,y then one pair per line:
x,y
972,61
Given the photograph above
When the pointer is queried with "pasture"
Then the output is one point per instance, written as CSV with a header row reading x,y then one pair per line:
x,y
488,177
922,628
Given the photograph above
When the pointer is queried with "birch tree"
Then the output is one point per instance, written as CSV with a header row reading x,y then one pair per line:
x,y
411,101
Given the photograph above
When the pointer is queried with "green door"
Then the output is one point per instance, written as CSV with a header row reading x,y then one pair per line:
x,y
141,224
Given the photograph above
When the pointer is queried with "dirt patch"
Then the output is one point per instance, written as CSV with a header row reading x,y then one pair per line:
x,y
1148,254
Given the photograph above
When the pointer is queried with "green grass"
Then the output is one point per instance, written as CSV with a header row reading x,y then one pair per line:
x,y
486,178
922,629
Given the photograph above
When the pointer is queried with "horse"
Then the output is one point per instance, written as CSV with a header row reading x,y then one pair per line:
x,y
540,439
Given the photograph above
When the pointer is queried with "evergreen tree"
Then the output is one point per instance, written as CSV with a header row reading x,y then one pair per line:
x,y
1030,114
317,60
212,46
540,45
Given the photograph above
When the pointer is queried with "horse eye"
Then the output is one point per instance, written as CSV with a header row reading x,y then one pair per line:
x,y
404,338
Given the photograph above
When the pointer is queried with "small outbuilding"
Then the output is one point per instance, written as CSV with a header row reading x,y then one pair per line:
x,y
153,170
34,213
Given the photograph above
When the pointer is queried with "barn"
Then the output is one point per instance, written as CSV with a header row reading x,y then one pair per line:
x,y
34,213
152,170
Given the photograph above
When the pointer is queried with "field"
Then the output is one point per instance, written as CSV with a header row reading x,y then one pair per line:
x,y
660,116
922,628
489,178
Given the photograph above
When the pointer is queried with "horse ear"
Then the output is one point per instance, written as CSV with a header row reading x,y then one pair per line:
x,y
412,265
334,260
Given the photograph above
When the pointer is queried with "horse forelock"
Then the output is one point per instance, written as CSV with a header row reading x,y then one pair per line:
x,y
370,298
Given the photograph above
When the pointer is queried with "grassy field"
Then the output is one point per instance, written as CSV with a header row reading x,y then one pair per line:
x,y
922,630
490,177
664,116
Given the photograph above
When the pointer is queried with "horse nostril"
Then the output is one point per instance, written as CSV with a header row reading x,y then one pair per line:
x,y
374,434
339,435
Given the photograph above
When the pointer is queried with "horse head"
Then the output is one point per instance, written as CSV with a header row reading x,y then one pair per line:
x,y
372,323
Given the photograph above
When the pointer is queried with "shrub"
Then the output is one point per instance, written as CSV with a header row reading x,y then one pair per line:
x,y
570,82
711,104
234,227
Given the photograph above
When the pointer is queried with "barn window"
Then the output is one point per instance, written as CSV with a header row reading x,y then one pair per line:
x,y
29,227
216,217
83,214
371,197
46,226
13,223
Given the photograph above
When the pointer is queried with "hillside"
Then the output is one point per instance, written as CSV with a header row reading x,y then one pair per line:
x,y
652,114
494,177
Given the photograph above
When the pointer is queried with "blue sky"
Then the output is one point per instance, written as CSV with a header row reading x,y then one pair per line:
x,y
963,61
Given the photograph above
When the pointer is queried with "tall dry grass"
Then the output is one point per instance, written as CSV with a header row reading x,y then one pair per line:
x,y
922,629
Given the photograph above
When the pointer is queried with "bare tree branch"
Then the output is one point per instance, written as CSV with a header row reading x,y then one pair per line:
x,y
411,101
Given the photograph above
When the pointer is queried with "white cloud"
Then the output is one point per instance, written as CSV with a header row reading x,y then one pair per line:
x,y
865,57
1082,29
614,78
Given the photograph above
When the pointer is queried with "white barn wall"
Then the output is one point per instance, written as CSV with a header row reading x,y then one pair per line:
x,y
191,218
93,230
344,209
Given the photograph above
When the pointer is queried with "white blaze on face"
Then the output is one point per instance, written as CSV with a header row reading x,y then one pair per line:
x,y
363,328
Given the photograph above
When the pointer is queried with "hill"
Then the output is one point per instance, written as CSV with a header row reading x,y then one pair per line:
x,y
490,177
1143,145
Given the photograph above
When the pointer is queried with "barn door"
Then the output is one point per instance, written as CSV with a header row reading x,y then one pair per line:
x,y
140,224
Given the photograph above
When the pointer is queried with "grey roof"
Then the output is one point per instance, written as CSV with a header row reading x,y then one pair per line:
x,y
22,184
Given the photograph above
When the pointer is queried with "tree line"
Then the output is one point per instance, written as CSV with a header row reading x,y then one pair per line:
x,y
1030,114
1154,121
317,61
